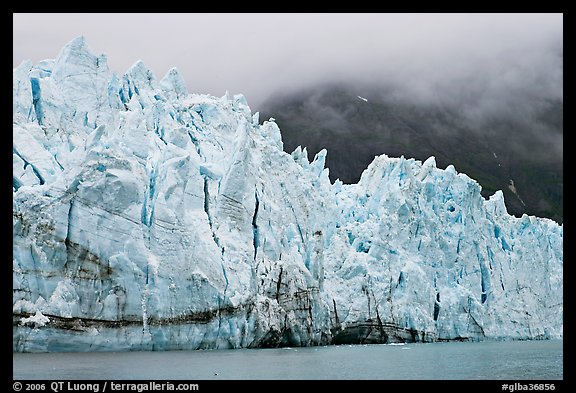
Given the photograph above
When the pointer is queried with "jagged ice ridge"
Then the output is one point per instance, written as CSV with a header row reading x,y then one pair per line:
x,y
145,217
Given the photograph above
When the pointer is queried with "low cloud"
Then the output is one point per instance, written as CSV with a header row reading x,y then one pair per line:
x,y
261,54
483,65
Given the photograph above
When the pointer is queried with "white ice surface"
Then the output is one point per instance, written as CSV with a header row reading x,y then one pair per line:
x,y
145,217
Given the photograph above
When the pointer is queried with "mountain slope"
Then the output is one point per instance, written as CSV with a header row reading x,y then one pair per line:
x,y
516,152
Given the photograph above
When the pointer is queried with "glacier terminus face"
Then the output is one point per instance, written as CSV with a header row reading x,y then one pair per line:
x,y
149,218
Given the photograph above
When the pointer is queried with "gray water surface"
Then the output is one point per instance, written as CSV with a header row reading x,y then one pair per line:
x,y
434,361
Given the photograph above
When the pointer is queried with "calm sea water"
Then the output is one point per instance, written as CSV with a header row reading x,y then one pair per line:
x,y
435,361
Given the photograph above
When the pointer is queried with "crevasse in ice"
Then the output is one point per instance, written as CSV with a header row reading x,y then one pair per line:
x,y
146,217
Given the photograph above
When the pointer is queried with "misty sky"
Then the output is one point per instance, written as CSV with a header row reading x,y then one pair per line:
x,y
259,54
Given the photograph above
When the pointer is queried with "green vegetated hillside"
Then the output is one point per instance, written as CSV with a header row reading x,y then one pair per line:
x,y
518,152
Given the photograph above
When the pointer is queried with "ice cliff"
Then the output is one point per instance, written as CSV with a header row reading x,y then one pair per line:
x,y
146,217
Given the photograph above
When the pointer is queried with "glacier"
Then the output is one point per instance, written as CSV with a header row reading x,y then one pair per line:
x,y
146,217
